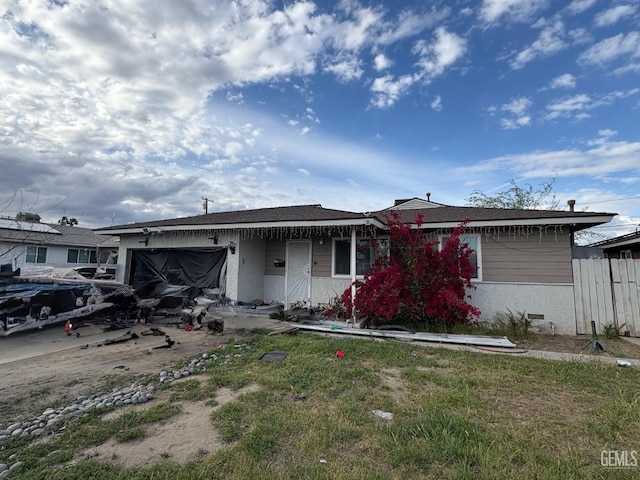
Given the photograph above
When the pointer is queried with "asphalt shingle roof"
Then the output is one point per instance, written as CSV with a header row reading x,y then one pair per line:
x,y
446,214
69,236
259,215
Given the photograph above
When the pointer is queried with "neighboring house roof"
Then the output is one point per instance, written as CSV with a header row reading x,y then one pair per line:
x,y
630,239
298,215
36,233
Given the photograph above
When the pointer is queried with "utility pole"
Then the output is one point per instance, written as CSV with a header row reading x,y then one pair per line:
x,y
205,204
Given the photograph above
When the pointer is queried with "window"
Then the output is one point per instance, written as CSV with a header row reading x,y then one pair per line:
x,y
365,256
75,255
475,258
625,254
36,254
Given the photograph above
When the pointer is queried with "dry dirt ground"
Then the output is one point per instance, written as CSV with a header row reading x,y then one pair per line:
x,y
28,386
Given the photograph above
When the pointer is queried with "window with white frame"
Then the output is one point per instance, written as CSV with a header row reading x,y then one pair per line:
x,y
365,256
473,241
36,254
625,254
79,255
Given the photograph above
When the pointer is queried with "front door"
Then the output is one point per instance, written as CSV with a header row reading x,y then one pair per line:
x,y
298,272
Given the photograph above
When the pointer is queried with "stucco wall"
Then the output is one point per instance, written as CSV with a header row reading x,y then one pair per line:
x,y
555,302
196,240
323,289
56,257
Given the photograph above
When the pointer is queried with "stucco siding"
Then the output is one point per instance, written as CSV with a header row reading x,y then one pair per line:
x,y
324,290
532,259
56,256
555,302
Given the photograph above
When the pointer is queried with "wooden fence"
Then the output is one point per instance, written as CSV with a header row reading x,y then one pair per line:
x,y
607,291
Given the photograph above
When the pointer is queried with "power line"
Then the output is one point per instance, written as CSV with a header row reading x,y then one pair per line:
x,y
612,200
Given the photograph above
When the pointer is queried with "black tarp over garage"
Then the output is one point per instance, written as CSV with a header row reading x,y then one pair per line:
x,y
194,268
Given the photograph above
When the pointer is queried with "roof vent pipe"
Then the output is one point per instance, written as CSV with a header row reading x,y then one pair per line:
x,y
572,204
428,196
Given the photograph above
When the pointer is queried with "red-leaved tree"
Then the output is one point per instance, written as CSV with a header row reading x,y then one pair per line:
x,y
418,283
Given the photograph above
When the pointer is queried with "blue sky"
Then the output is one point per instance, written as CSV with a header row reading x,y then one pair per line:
x,y
123,111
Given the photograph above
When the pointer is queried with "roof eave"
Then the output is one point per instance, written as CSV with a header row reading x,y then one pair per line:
x,y
583,222
237,226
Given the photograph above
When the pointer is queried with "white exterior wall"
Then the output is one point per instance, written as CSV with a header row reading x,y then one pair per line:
x,y
250,263
274,288
554,301
56,256
323,289
185,241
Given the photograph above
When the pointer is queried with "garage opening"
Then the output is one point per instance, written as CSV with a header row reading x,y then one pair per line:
x,y
153,271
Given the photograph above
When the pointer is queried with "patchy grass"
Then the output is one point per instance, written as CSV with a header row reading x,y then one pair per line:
x,y
456,415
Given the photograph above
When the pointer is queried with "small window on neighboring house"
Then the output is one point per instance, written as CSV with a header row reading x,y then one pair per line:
x,y
36,254
75,255
625,254
475,258
365,256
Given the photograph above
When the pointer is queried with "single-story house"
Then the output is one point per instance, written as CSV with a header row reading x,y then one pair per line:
x,y
624,246
310,254
32,246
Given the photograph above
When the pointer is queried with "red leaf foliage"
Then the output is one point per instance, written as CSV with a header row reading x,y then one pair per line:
x,y
417,283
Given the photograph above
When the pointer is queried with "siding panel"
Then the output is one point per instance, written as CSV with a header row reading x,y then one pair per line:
x,y
545,259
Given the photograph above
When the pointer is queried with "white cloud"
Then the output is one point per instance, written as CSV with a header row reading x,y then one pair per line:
x,y
517,106
346,70
387,90
550,41
622,45
579,6
563,81
516,10
605,158
381,62
632,67
437,56
614,15
577,106
517,109
436,104
141,95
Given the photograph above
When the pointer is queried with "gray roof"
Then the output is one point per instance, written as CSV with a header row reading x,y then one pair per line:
x,y
621,241
435,214
57,235
298,213
447,214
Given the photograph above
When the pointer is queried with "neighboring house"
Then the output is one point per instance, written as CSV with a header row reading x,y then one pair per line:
x,y
312,254
624,246
32,246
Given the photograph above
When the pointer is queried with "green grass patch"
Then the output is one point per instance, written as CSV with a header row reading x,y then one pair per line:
x,y
456,415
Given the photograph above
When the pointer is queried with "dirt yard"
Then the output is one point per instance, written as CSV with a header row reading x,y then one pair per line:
x,y
30,385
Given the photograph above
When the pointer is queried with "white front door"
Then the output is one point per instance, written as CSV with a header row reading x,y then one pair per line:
x,y
298,272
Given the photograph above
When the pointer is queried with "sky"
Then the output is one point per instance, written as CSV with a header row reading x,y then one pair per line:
x,y
119,111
